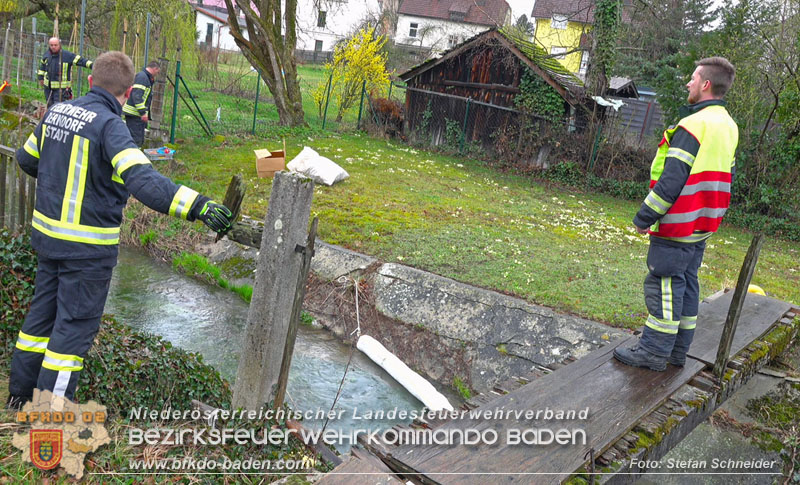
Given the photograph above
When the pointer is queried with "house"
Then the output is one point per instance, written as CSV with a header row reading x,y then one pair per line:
x,y
320,24
561,28
211,21
431,27
487,70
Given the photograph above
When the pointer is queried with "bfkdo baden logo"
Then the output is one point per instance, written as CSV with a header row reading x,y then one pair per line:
x,y
47,446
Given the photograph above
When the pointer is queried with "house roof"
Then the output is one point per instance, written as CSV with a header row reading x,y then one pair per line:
x,y
566,83
575,10
482,12
218,15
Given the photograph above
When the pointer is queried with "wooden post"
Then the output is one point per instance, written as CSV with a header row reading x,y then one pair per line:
x,y
6,54
737,302
31,200
279,266
22,198
233,198
297,310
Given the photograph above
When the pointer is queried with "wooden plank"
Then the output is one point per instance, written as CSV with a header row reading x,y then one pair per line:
x,y
735,310
617,396
362,468
759,314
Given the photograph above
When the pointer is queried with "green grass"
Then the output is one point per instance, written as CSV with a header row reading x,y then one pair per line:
x,y
572,251
196,265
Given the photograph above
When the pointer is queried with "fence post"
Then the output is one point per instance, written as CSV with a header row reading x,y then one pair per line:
x,y
389,96
175,99
3,174
6,57
280,262
31,200
147,39
464,128
255,108
361,104
19,50
80,45
327,99
21,198
737,302
33,48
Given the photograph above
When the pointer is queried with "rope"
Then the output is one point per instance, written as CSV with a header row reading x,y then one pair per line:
x,y
357,331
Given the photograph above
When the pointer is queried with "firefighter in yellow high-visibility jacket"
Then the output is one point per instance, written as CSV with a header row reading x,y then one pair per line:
x,y
55,72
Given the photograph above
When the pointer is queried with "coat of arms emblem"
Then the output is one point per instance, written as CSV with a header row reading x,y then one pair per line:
x,y
46,447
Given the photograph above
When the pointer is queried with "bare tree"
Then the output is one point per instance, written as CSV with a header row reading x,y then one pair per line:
x,y
269,46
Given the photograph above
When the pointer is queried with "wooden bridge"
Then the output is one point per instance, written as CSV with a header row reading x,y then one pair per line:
x,y
633,413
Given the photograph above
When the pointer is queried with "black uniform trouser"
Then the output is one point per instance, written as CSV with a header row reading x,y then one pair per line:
x,y
136,127
60,326
672,296
53,96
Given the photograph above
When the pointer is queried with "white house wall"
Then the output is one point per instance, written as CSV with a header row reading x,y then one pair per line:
x,y
342,18
221,36
438,38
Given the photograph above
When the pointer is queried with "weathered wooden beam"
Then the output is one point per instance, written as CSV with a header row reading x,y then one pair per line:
x,y
233,198
3,175
21,198
735,310
279,266
492,87
297,309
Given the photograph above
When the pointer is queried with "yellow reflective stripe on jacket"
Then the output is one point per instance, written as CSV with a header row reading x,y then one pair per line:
x,y
656,203
76,181
694,238
55,361
126,159
30,343
75,232
182,202
57,84
30,146
681,155
64,71
128,109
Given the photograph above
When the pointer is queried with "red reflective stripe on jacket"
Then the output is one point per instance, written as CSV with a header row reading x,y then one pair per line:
x,y
700,200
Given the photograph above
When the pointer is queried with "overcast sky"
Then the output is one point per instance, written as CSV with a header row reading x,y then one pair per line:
x,y
519,7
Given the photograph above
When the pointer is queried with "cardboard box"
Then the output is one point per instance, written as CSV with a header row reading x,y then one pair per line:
x,y
267,162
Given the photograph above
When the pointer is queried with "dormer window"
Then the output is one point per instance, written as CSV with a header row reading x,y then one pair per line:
x,y
559,22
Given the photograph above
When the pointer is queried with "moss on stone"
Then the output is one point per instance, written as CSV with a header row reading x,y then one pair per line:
x,y
237,267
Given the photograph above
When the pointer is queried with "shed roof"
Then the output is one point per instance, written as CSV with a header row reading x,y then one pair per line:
x,y
482,12
569,86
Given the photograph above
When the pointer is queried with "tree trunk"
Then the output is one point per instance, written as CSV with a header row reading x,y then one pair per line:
x,y
271,53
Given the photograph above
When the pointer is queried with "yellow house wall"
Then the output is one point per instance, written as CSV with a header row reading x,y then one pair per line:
x,y
548,37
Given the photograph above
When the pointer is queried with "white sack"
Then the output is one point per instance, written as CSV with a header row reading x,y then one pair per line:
x,y
316,167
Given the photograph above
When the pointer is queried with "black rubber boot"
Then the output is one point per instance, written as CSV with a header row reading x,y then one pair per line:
x,y
639,357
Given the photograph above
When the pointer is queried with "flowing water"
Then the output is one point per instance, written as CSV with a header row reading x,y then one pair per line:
x,y
151,297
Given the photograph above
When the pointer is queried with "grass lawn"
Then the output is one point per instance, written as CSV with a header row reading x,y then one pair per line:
x,y
571,251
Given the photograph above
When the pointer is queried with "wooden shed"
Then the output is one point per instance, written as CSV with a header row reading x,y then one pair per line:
x,y
486,70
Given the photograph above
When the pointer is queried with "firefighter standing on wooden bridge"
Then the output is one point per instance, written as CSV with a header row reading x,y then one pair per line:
x,y
690,182
55,72
86,165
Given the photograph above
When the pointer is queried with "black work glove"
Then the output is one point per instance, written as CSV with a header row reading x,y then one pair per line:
x,y
216,216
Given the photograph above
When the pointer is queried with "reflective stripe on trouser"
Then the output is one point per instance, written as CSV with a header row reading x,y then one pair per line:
x,y
672,296
136,127
66,311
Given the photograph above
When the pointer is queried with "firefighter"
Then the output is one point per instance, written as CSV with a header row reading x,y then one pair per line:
x,y
690,181
137,108
55,72
87,165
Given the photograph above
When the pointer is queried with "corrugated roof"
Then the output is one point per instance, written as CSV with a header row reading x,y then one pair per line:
x,y
533,53
482,12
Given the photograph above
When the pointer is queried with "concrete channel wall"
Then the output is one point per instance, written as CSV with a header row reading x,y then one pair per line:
x,y
438,326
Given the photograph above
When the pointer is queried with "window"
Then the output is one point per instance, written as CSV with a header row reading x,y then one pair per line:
x,y
317,46
584,63
558,52
209,33
559,22
453,40
412,30
321,15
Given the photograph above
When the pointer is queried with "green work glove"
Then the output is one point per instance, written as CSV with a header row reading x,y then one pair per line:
x,y
216,216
